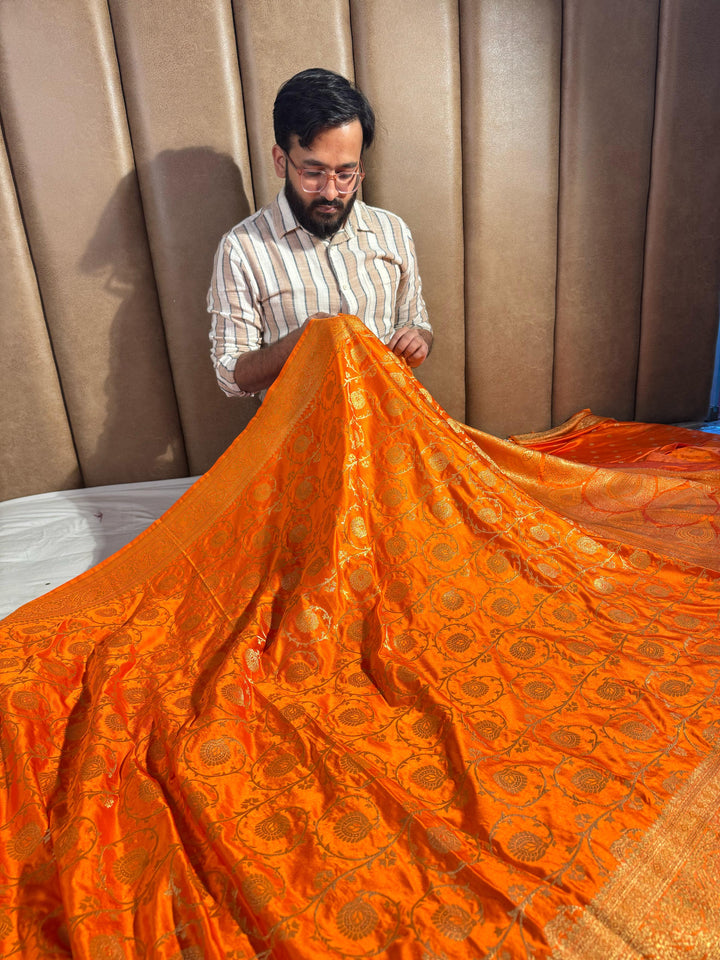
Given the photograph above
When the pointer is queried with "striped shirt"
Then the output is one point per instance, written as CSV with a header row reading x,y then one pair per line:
x,y
271,274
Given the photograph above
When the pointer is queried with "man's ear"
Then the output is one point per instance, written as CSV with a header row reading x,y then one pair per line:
x,y
279,160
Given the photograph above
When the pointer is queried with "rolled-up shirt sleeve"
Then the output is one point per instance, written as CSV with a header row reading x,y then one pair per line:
x,y
410,309
236,324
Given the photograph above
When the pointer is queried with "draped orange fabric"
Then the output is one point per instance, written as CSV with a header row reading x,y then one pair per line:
x,y
378,685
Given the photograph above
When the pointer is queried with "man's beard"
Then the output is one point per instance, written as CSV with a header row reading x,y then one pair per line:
x,y
322,225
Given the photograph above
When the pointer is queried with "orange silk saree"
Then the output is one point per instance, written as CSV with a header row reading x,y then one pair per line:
x,y
379,685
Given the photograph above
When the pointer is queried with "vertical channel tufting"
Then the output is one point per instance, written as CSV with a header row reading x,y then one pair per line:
x,y
511,53
66,134
275,40
409,67
559,174
36,446
682,260
608,92
184,104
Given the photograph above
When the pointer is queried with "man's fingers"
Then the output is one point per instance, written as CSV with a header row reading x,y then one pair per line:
x,y
411,348
417,356
402,341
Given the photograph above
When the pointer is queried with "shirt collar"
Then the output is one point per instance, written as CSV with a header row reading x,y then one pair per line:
x,y
286,222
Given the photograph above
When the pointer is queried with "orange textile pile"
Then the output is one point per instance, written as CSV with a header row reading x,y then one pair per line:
x,y
378,685
602,442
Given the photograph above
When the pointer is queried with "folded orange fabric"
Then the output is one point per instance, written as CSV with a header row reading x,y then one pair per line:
x,y
378,685
604,442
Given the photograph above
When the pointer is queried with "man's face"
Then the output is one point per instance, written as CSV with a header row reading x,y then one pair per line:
x,y
332,151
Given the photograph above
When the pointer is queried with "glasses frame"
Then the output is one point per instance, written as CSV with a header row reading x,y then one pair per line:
x,y
359,172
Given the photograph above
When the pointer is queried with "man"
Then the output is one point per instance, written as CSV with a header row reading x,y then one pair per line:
x,y
315,250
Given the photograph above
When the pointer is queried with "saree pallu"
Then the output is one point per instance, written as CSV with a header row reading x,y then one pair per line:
x,y
378,685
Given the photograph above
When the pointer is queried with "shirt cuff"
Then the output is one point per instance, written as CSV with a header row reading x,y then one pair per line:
x,y
225,373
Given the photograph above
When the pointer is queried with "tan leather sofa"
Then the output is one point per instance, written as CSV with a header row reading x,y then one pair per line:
x,y
558,163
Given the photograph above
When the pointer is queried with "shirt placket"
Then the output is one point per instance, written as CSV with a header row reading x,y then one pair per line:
x,y
336,264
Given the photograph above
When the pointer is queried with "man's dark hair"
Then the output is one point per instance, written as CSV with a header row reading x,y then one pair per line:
x,y
316,100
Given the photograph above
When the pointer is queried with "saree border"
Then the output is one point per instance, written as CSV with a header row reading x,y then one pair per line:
x,y
210,495
662,902
581,422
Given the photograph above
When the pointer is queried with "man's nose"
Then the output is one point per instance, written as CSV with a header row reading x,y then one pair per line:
x,y
330,192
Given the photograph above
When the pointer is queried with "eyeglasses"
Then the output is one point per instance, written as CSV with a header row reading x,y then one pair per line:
x,y
315,181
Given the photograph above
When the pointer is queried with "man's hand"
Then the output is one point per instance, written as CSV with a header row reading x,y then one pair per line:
x,y
411,344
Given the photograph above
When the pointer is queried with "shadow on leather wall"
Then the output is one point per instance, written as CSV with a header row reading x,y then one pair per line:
x,y
189,199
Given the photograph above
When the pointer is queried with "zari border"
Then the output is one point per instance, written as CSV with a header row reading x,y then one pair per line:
x,y
581,422
213,493
662,903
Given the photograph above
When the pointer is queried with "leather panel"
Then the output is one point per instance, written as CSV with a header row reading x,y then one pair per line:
x,y
184,105
511,85
36,447
64,120
276,40
609,52
682,262
409,68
